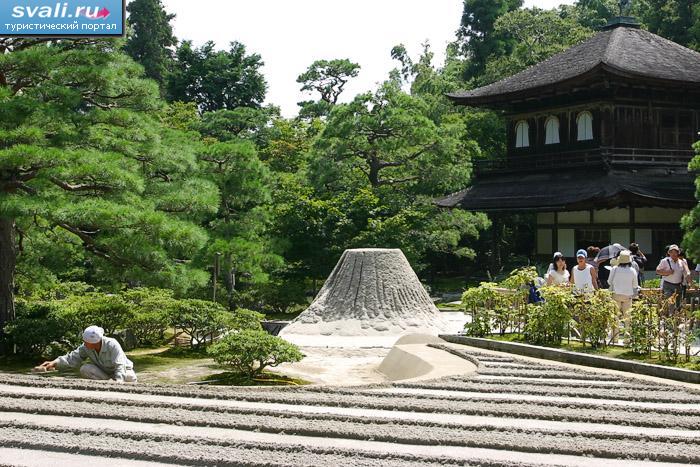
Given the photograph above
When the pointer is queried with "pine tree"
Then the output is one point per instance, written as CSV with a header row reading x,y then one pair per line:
x,y
82,154
476,31
151,38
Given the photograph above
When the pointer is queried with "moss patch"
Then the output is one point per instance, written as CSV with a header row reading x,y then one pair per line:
x,y
230,378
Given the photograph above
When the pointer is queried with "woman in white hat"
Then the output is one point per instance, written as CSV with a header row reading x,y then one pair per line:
x,y
623,284
107,358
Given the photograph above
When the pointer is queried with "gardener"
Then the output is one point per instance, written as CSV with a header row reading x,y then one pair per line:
x,y
107,359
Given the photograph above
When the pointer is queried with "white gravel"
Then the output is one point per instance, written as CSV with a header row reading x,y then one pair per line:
x,y
573,416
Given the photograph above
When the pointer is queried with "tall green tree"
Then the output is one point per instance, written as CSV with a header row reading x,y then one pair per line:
x,y
387,159
537,35
593,14
217,79
151,41
476,32
676,20
691,221
240,228
82,154
328,78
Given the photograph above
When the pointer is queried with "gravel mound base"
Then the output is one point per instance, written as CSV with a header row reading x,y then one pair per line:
x,y
571,416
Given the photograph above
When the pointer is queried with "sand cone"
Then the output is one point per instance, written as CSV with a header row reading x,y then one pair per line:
x,y
371,292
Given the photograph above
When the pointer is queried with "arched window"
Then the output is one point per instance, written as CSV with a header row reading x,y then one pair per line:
x,y
584,123
522,134
551,131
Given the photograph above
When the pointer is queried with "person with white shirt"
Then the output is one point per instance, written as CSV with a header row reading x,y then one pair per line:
x,y
584,277
674,271
558,274
623,282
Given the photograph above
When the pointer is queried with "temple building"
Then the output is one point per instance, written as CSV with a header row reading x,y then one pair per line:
x,y
599,140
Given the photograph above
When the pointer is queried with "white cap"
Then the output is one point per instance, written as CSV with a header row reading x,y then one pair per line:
x,y
93,334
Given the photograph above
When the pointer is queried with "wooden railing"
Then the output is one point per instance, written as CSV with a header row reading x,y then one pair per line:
x,y
593,157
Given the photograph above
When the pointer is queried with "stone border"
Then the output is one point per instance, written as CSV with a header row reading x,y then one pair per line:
x,y
576,358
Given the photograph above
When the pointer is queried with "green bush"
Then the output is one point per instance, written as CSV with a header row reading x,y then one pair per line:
x,y
109,311
490,307
644,323
243,318
480,325
594,315
520,279
251,351
40,329
549,321
152,309
480,302
201,320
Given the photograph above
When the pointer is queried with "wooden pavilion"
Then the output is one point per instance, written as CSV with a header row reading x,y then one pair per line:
x,y
599,140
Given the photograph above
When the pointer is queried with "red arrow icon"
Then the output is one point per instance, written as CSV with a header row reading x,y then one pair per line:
x,y
103,13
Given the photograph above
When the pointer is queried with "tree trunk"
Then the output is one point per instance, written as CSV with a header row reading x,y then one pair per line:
x,y
8,259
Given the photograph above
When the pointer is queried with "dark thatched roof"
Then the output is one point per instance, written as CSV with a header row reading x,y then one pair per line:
x,y
575,190
623,50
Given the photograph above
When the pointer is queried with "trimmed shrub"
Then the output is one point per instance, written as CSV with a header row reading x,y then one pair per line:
x,y
152,309
594,315
243,318
251,351
548,322
40,329
201,320
110,312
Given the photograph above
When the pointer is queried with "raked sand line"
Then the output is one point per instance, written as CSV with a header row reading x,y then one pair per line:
x,y
692,406
658,417
497,377
43,458
563,393
438,418
456,453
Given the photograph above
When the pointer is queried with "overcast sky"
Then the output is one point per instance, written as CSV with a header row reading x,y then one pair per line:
x,y
291,34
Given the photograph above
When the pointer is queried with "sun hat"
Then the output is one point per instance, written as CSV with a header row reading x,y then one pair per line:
x,y
625,257
674,247
582,252
93,334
